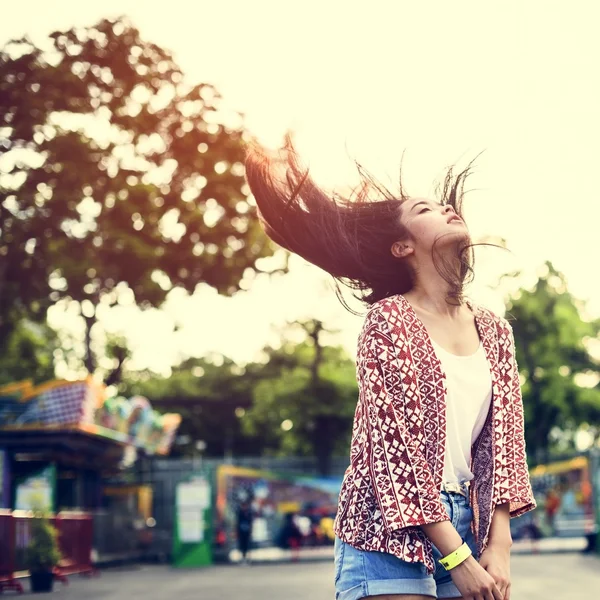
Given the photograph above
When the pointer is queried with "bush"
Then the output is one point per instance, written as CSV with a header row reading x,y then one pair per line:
x,y
42,552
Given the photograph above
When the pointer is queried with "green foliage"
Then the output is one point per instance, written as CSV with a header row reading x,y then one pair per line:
x,y
42,552
310,388
115,174
27,353
241,410
552,351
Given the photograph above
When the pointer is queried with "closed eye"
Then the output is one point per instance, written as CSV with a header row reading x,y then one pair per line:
x,y
424,210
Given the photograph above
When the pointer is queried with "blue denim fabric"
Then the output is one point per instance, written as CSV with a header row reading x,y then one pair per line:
x,y
359,573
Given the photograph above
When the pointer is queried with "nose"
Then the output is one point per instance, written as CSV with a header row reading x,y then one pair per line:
x,y
448,208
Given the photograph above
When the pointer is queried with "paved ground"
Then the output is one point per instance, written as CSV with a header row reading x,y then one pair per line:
x,y
535,577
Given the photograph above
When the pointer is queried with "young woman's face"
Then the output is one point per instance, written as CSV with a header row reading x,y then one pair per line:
x,y
428,221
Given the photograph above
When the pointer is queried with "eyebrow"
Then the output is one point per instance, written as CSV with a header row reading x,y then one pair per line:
x,y
418,203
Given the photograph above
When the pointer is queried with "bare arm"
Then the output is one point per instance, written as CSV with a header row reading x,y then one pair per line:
x,y
443,536
500,528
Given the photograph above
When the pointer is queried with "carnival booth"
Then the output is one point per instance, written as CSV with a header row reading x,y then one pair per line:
x,y
59,441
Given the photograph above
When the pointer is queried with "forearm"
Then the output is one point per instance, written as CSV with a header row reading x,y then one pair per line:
x,y
500,527
446,539
443,536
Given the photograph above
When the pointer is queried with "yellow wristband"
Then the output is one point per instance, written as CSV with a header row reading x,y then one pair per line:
x,y
456,558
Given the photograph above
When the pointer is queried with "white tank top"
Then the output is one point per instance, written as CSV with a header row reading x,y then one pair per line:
x,y
468,399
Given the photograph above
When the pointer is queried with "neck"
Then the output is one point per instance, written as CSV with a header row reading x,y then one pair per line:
x,y
430,292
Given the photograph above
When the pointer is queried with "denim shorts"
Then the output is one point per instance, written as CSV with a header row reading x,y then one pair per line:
x,y
359,573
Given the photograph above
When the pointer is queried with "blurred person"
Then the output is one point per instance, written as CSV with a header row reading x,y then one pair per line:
x,y
591,533
534,533
551,507
290,536
437,462
244,520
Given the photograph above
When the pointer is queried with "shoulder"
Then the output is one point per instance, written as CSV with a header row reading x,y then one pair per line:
x,y
381,324
386,305
387,315
392,307
489,319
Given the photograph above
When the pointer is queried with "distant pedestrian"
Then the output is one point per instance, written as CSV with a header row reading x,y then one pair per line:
x,y
533,531
551,507
244,520
438,450
290,536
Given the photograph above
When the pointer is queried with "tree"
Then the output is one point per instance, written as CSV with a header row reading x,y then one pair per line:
x,y
28,353
298,400
306,398
552,352
211,394
116,178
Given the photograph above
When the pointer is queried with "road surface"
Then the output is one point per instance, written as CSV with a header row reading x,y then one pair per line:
x,y
535,577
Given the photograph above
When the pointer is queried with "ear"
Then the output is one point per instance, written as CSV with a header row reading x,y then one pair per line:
x,y
401,249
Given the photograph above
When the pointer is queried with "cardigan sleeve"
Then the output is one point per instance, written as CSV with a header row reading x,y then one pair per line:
x,y
402,479
519,493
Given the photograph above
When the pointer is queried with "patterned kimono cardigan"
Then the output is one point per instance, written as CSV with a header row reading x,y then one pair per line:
x,y
393,483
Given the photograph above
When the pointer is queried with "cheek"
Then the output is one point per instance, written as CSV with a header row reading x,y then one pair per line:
x,y
425,231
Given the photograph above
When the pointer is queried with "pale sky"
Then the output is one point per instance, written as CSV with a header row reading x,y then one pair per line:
x,y
443,80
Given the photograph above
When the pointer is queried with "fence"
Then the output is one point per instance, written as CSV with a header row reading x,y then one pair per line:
x,y
75,535
115,535
7,553
163,475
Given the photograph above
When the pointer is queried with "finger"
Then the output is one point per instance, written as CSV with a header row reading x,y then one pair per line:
x,y
496,593
507,592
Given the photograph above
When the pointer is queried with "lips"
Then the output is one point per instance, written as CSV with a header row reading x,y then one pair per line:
x,y
455,218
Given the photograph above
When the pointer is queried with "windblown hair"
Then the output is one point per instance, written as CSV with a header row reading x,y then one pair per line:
x,y
349,237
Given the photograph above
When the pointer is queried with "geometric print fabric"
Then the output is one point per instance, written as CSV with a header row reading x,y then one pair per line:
x,y
393,483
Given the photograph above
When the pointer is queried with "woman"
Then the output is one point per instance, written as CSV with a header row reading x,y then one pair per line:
x,y
438,461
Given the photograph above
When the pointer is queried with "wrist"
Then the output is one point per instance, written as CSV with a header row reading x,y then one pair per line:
x,y
468,562
456,558
500,543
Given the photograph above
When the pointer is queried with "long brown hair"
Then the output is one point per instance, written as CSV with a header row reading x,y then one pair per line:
x,y
349,237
